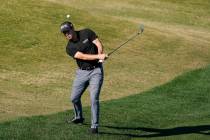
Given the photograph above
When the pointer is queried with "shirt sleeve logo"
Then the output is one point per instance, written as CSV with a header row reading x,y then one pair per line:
x,y
85,41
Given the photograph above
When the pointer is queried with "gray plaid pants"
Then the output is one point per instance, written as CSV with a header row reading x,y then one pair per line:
x,y
93,79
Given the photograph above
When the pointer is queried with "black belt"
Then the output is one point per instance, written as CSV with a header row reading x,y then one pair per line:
x,y
89,67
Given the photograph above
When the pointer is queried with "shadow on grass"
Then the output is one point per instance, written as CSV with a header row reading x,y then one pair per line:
x,y
153,132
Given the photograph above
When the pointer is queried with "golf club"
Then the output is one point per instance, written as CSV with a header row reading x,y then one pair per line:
x,y
141,30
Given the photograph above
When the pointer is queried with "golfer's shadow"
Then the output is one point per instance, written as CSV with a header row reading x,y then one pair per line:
x,y
154,132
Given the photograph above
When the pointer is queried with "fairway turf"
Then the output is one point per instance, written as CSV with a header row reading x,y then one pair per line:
x,y
156,87
178,110
36,74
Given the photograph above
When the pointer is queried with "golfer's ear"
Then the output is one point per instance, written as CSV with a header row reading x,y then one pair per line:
x,y
95,41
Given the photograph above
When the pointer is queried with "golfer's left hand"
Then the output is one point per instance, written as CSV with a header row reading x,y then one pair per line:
x,y
105,57
102,56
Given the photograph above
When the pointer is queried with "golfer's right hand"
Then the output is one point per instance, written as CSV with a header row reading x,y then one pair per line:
x,y
102,56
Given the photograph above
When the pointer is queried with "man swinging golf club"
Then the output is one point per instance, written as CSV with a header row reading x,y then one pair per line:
x,y
85,47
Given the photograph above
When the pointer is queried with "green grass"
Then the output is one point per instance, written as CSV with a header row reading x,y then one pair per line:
x,y
176,110
36,73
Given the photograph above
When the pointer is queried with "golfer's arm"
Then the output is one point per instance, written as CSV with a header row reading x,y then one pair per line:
x,y
80,55
98,44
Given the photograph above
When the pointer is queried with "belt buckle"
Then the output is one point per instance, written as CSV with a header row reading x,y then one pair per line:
x,y
89,68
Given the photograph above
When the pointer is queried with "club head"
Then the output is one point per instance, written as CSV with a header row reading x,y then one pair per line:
x,y
141,28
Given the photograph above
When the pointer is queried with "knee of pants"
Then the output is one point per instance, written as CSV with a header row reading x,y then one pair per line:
x,y
94,101
75,99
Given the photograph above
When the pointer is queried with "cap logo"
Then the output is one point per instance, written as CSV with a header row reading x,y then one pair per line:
x,y
64,26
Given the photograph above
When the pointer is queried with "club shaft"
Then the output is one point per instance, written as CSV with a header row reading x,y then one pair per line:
x,y
124,43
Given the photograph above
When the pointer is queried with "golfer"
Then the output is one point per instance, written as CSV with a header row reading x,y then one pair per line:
x,y
85,47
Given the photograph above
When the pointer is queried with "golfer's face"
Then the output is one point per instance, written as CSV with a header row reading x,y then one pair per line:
x,y
69,35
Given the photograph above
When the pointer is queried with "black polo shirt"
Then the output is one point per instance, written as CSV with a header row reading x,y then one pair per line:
x,y
85,45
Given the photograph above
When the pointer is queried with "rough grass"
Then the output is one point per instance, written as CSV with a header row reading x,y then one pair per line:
x,y
36,74
178,110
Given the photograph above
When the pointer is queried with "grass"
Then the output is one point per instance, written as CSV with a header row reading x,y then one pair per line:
x,y
36,73
176,110
188,12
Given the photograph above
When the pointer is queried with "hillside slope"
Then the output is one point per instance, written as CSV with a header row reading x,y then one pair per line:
x,y
36,73
178,110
